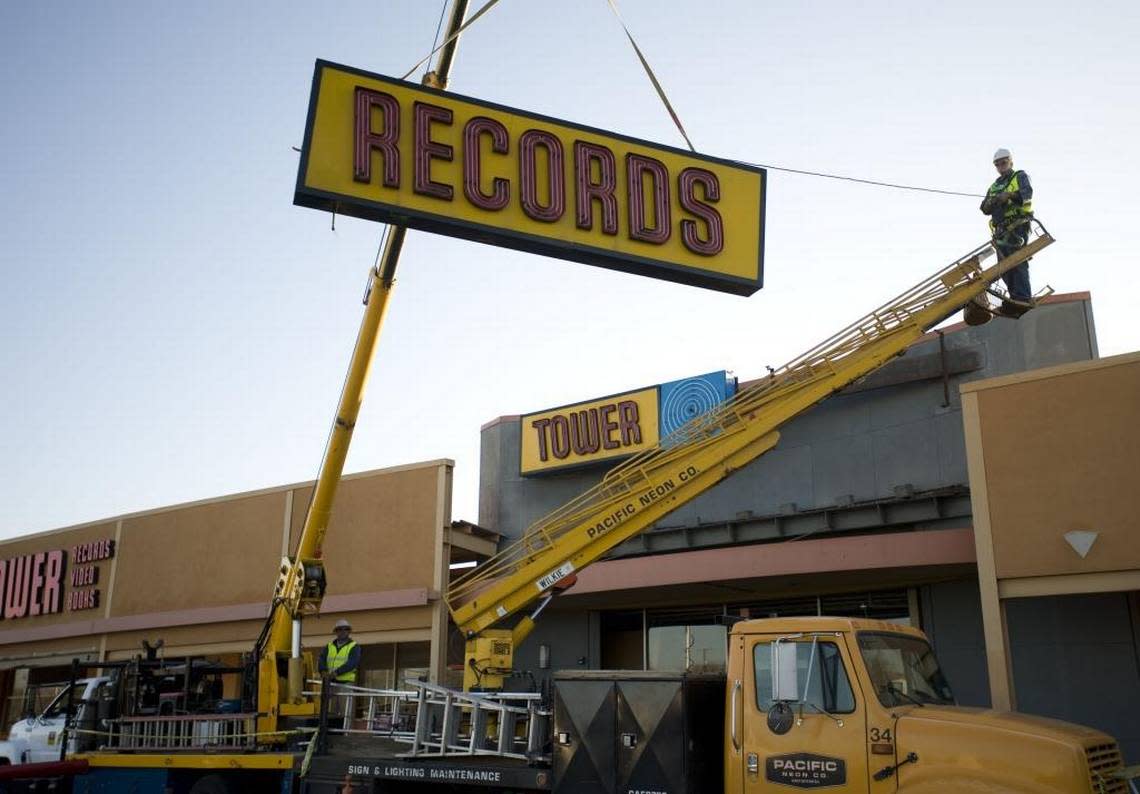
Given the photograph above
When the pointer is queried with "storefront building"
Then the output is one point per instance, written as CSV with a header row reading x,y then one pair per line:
x,y
198,577
977,487
863,509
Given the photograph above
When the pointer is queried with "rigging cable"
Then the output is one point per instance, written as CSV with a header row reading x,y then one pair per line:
x,y
652,76
435,38
862,181
486,7
680,128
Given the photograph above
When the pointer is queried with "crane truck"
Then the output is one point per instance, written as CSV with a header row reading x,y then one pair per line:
x,y
845,704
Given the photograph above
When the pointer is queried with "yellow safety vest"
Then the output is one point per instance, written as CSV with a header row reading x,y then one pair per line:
x,y
336,658
1012,210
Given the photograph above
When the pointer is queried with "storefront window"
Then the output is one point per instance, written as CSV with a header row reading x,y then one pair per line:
x,y
376,666
693,649
695,638
391,665
412,662
623,640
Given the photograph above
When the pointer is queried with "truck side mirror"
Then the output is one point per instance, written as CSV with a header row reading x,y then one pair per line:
x,y
784,683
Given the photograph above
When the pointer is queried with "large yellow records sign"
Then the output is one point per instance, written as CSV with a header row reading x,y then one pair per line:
x,y
393,151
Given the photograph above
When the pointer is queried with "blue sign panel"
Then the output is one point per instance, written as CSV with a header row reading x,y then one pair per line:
x,y
681,401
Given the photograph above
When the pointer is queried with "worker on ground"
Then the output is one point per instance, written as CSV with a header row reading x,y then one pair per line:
x,y
341,658
1009,203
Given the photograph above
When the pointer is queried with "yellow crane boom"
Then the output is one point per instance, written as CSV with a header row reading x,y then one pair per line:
x,y
638,493
300,586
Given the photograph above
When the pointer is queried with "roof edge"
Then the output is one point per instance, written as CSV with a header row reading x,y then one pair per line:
x,y
1064,297
427,464
1055,371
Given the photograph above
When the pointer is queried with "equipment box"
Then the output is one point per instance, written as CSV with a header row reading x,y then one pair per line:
x,y
619,731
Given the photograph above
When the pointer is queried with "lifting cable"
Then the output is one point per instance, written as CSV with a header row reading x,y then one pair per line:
x,y
425,60
863,181
652,77
427,67
486,7
376,264
435,38
680,128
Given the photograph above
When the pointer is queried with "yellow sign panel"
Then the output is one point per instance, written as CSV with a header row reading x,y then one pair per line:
x,y
393,151
589,432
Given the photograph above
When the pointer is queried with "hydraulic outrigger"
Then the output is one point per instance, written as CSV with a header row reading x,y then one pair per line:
x,y
639,492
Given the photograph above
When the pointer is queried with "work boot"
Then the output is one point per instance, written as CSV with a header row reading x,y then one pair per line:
x,y
1016,307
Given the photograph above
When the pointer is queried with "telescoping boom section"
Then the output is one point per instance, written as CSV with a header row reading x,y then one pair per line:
x,y
639,492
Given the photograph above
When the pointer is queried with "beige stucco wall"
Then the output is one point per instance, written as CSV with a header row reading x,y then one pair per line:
x,y
224,552
201,575
379,538
1062,453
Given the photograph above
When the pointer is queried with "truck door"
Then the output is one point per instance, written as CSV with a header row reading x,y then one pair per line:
x,y
825,746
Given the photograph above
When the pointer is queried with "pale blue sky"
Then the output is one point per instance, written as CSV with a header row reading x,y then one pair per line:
x,y
173,328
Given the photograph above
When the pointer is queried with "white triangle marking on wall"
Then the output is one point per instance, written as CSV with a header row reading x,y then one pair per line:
x,y
1081,541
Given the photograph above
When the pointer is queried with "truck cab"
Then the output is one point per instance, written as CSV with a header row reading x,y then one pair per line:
x,y
862,706
37,738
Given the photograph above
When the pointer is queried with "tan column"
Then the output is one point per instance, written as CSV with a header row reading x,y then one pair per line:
x,y
437,665
1002,695
913,608
287,523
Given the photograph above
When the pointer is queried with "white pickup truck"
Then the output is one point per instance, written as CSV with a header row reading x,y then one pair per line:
x,y
36,738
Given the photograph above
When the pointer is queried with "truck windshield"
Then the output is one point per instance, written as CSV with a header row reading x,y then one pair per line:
x,y
903,670
59,705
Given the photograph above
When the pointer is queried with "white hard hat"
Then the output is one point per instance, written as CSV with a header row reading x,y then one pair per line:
x,y
342,624
1002,154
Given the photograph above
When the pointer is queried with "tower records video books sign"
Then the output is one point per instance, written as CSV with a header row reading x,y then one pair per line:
x,y
47,582
393,151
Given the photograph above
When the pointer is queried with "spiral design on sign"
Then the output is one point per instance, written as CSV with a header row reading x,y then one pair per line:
x,y
685,400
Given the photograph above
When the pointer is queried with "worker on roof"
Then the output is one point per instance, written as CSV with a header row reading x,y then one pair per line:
x,y
341,658
1009,203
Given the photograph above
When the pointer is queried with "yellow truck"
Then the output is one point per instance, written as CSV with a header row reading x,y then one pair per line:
x,y
841,704
860,705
